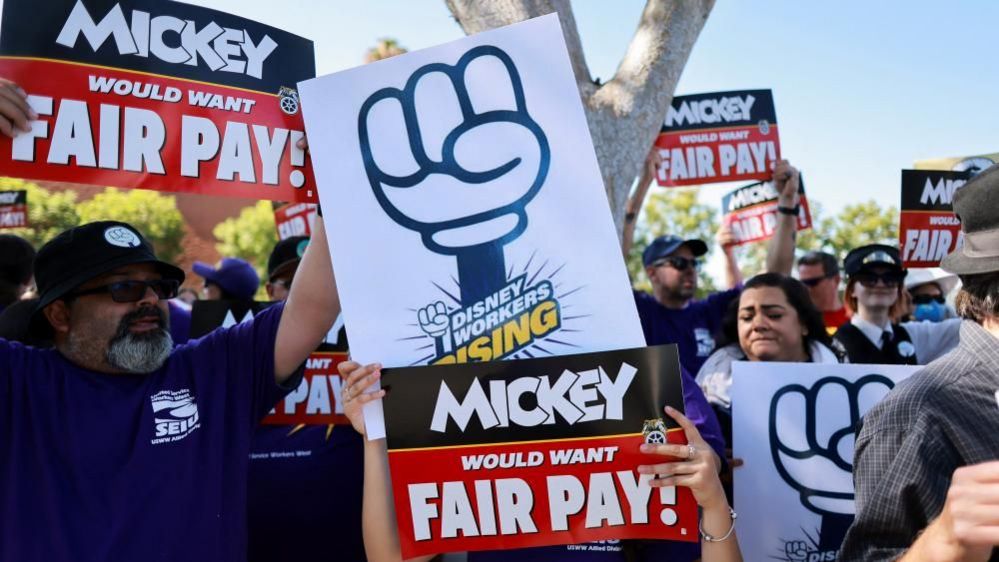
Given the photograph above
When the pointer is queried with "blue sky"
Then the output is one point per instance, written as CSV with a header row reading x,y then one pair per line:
x,y
862,88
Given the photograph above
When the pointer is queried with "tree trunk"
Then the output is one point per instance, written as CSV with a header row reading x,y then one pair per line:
x,y
625,113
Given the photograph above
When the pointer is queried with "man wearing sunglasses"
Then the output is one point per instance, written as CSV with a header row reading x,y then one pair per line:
x,y
117,446
819,271
874,288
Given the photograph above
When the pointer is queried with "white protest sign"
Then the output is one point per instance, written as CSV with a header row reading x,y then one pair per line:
x,y
466,213
794,426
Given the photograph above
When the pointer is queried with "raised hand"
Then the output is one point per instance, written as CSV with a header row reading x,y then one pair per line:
x,y
15,113
787,181
460,138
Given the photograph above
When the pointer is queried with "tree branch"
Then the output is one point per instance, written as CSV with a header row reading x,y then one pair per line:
x,y
475,16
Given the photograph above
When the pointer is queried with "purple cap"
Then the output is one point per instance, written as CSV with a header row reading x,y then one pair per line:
x,y
236,277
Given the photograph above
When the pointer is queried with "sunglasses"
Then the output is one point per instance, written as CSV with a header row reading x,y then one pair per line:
x,y
927,299
134,291
816,280
888,279
679,263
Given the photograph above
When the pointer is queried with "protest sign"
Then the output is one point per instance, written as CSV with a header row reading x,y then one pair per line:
x,y
294,219
466,212
511,454
718,137
928,229
317,400
751,212
971,164
13,209
794,426
156,95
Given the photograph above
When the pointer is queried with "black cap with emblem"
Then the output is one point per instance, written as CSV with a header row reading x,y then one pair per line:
x,y
79,254
976,204
865,257
285,254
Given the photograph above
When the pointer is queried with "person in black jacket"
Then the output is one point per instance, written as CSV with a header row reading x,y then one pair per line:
x,y
874,295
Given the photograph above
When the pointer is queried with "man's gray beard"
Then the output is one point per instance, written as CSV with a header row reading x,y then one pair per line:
x,y
140,353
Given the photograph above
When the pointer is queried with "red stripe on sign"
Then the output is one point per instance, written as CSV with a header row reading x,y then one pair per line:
x,y
317,399
926,237
107,126
717,155
516,495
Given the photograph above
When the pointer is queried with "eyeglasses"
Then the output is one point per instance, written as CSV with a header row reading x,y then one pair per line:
x,y
679,263
816,280
927,299
888,279
133,291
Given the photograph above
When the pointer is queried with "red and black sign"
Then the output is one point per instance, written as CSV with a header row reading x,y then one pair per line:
x,y
928,229
512,454
157,95
751,211
718,137
317,400
295,219
13,209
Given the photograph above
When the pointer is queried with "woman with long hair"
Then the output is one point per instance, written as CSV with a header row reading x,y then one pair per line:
x,y
773,320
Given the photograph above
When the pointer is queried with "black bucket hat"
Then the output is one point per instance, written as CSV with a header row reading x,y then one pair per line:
x,y
79,254
977,206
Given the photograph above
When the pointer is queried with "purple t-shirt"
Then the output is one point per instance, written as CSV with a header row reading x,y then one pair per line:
x,y
97,467
699,411
692,328
305,494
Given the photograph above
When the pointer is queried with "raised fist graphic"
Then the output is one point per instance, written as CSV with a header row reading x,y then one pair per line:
x,y
455,156
819,463
435,322
797,551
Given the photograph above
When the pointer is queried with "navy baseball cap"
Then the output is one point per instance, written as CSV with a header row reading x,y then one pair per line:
x,y
236,277
669,243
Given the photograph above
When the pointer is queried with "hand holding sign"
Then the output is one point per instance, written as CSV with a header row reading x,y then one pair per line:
x,y
787,183
15,113
437,140
697,466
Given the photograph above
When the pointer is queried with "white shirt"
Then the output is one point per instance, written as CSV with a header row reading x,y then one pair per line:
x,y
931,339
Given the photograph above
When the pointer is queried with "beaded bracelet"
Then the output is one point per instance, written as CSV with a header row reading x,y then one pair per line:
x,y
709,538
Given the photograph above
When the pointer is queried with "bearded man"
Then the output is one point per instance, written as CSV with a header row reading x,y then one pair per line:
x,y
115,445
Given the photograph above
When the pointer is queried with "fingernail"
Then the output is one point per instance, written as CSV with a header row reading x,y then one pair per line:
x,y
670,409
378,366
32,113
645,447
21,91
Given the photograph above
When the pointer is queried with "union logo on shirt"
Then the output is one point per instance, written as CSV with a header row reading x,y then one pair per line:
x,y
175,415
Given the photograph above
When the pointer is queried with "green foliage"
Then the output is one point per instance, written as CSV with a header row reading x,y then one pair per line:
x,y
250,236
856,225
672,211
154,214
48,213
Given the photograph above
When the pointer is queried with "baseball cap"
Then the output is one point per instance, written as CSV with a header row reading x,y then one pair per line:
x,y
285,254
236,277
669,243
79,254
868,256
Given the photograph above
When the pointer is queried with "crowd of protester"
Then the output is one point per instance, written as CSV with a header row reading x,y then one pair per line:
x,y
100,320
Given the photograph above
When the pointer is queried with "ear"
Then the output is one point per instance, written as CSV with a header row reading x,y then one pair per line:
x,y
58,314
270,290
649,271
